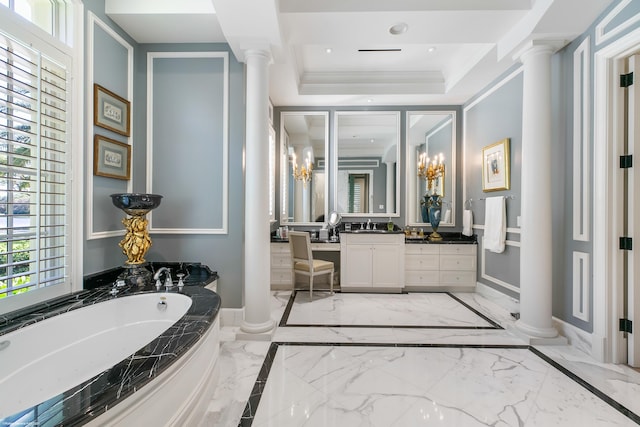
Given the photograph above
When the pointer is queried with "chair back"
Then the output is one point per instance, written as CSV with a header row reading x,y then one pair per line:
x,y
300,245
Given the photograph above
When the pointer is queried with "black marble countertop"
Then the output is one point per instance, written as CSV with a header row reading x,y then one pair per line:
x,y
285,240
92,398
448,238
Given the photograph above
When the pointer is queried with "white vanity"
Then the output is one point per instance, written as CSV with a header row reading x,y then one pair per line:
x,y
371,262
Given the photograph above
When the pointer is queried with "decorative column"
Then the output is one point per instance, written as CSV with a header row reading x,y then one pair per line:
x,y
257,310
536,251
412,185
391,187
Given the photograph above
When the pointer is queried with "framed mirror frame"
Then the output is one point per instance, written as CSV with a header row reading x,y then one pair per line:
x,y
413,190
289,185
366,171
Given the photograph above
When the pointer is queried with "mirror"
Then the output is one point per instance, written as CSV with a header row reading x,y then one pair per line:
x,y
366,169
303,154
431,135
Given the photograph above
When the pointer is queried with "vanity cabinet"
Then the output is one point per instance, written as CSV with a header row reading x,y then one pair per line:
x,y
372,262
440,267
281,267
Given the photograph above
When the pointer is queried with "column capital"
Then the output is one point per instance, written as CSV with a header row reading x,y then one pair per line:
x,y
259,50
534,47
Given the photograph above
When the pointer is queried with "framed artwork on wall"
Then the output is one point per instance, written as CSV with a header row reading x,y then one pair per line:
x,y
111,111
111,158
495,166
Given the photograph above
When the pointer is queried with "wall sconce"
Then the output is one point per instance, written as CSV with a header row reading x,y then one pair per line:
x,y
431,170
304,173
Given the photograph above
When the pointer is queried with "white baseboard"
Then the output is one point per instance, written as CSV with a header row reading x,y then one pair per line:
x,y
578,338
510,304
231,316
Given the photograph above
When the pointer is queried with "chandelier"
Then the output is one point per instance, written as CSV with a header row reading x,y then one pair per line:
x,y
430,170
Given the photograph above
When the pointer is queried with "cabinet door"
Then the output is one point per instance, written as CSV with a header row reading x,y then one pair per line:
x,y
358,268
388,268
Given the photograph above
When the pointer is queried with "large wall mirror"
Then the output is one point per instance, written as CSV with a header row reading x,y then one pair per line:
x,y
431,145
303,166
366,163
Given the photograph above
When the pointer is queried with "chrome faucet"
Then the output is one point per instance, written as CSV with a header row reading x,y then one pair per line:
x,y
369,224
168,282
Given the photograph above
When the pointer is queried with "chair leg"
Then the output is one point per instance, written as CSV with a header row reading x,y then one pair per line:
x,y
331,282
311,287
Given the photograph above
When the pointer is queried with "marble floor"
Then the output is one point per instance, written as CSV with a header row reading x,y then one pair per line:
x,y
434,359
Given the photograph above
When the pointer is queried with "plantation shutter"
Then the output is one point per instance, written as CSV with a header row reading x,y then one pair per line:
x,y
33,168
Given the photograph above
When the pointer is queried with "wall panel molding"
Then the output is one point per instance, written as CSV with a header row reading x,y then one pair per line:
x,y
602,35
190,169
581,142
490,278
93,22
581,286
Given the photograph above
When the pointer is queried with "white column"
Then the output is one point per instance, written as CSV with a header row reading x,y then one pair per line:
x,y
257,310
413,198
536,235
391,188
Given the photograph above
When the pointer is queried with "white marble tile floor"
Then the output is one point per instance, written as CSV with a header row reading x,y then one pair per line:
x,y
340,367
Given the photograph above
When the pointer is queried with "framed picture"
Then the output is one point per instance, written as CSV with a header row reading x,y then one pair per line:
x,y
495,166
111,111
111,158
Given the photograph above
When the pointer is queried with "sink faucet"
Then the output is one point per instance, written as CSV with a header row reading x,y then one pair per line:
x,y
369,224
168,282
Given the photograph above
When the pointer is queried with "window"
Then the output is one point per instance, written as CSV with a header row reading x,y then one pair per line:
x,y
35,156
46,14
33,164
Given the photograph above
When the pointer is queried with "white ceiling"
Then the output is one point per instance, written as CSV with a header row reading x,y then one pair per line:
x,y
449,52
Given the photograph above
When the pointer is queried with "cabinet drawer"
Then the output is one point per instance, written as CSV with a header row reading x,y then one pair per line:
x,y
280,276
458,249
458,262
373,239
421,262
280,248
280,260
458,277
421,277
421,249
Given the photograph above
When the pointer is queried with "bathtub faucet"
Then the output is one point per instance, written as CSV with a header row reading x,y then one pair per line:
x,y
168,282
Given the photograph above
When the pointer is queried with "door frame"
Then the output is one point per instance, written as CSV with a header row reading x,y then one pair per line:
x,y
608,344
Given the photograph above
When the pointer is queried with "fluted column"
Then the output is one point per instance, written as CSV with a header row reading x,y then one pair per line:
x,y
536,235
257,310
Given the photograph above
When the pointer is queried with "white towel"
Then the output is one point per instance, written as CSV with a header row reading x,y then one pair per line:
x,y
467,222
447,216
495,224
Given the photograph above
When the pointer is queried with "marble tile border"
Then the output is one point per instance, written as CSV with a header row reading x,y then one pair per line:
x,y
256,394
289,307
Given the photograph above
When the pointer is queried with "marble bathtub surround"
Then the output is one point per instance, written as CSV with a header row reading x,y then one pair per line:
x,y
93,397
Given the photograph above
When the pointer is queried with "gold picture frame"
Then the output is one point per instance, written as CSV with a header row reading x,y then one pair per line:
x,y
111,111
496,166
111,158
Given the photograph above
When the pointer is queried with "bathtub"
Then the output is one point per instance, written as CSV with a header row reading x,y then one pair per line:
x,y
143,359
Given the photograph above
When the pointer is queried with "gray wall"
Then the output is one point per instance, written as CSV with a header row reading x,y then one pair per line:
x,y
110,67
489,118
175,154
498,115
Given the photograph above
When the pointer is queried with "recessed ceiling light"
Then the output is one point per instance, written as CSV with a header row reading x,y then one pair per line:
x,y
328,50
372,140
399,28
431,49
370,100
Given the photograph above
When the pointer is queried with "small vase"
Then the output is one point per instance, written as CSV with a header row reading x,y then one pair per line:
x,y
434,207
